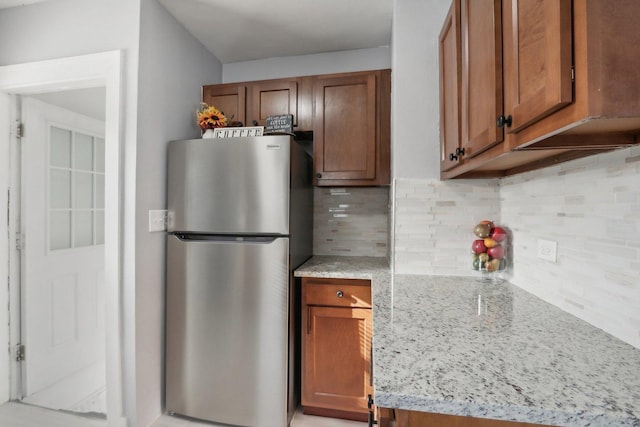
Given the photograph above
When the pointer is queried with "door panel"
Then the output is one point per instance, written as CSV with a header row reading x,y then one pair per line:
x,y
538,55
272,99
231,99
337,358
344,127
449,50
481,38
236,185
227,330
63,259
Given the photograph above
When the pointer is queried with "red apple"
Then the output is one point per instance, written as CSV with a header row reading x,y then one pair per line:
x,y
478,246
497,252
498,234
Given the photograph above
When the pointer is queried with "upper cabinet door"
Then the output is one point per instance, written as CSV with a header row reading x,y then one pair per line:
x,y
345,127
229,98
449,52
537,56
481,38
272,98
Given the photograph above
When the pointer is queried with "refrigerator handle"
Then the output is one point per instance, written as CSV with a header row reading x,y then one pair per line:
x,y
188,237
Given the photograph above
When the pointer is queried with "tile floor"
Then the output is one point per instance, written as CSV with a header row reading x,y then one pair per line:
x,y
299,420
14,414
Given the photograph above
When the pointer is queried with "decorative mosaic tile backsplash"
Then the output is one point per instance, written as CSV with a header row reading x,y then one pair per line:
x,y
591,208
351,221
434,223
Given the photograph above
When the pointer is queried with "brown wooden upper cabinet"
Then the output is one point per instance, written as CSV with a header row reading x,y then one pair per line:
x,y
541,82
251,102
348,112
351,127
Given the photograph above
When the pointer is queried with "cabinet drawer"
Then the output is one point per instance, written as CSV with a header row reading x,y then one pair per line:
x,y
337,292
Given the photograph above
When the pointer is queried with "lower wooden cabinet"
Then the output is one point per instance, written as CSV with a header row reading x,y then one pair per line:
x,y
336,347
402,418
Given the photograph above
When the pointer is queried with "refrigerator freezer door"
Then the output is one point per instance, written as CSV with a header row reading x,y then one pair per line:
x,y
227,317
234,185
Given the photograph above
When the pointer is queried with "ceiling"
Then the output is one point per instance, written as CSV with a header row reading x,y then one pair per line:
x,y
13,3
254,29
245,30
88,102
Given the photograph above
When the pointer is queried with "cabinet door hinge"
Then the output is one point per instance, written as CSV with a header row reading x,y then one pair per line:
x,y
20,130
19,241
20,355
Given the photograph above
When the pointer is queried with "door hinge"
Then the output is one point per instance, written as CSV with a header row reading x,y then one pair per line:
x,y
20,353
20,130
19,241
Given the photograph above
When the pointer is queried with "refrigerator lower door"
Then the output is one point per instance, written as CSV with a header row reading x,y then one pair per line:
x,y
227,330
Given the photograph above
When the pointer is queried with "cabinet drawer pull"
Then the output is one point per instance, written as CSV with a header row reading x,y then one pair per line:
x,y
339,294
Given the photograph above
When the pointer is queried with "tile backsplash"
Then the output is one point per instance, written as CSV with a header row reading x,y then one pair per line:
x,y
590,207
351,221
434,223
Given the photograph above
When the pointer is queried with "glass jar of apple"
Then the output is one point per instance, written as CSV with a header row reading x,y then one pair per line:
x,y
489,250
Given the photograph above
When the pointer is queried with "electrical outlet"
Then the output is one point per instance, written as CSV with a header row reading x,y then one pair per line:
x,y
157,220
547,250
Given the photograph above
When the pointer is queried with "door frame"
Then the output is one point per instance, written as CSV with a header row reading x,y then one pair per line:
x,y
85,71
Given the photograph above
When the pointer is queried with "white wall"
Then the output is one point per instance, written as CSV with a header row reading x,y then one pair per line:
x,y
173,67
415,91
307,65
64,28
61,28
4,255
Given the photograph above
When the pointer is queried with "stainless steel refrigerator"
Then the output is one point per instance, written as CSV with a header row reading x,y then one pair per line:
x,y
240,220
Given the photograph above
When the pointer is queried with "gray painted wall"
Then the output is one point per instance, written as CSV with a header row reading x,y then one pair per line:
x,y
415,98
63,28
173,67
160,95
307,65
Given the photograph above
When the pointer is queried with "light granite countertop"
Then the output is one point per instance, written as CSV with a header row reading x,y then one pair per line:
x,y
464,346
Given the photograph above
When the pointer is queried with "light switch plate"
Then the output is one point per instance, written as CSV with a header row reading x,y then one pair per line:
x,y
547,250
157,220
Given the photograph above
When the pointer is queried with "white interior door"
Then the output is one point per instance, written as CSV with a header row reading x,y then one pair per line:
x,y
62,221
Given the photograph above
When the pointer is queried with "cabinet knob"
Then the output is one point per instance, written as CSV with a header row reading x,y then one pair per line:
x,y
502,120
339,294
255,123
453,157
318,175
460,152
